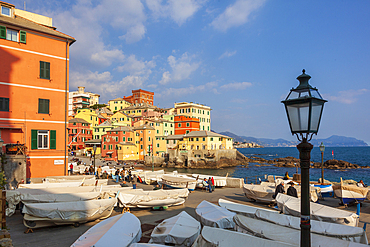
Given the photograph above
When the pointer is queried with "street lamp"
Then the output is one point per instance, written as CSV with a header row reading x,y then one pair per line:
x,y
304,106
94,148
322,149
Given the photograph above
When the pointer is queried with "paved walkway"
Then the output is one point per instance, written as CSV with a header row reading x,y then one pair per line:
x,y
61,236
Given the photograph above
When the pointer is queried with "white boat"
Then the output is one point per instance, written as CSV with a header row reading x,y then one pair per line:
x,y
45,214
284,234
211,237
179,182
152,198
121,230
212,215
350,193
242,209
180,230
63,197
150,177
262,193
350,233
51,185
219,181
291,205
326,189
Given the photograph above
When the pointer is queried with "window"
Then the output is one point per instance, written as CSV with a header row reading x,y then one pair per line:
x,y
187,124
44,106
104,147
197,139
4,104
43,139
123,139
211,139
12,35
204,139
179,125
187,132
44,70
105,139
5,11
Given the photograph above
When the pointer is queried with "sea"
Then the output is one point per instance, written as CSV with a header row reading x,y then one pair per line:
x,y
354,155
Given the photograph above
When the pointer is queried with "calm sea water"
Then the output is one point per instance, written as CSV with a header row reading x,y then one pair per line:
x,y
355,155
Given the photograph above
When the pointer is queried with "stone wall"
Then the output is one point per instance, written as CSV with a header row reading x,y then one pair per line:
x,y
15,169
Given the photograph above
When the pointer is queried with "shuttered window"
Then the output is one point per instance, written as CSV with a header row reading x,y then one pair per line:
x,y
43,139
44,106
4,104
53,139
44,70
22,37
2,32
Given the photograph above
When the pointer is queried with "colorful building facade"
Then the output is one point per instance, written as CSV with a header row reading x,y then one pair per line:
x,y
202,112
140,96
185,124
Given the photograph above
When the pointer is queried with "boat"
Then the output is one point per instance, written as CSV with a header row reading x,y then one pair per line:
x,y
344,232
152,198
242,209
178,182
262,193
326,189
211,237
350,193
219,181
111,231
291,205
180,230
51,185
147,245
284,234
212,215
46,214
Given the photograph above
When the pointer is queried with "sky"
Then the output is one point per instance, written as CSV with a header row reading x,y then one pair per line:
x,y
240,57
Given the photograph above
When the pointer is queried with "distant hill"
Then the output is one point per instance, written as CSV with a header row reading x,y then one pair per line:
x,y
333,141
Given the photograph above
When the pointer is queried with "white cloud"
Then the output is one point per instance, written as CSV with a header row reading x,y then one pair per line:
x,y
136,67
236,14
347,97
236,85
227,54
178,10
106,57
182,68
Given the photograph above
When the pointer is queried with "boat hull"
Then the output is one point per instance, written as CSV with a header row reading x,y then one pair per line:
x,y
350,194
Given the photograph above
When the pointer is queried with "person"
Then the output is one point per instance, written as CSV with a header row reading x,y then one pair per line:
x,y
104,175
129,175
157,187
291,190
134,182
279,189
71,169
122,174
213,184
99,171
205,184
361,184
117,175
210,185
286,177
86,171
91,169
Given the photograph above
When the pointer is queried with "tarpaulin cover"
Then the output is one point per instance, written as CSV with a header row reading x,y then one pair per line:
x,y
135,198
292,205
120,230
50,185
180,230
70,211
350,233
288,235
211,237
241,208
179,181
210,214
64,197
262,193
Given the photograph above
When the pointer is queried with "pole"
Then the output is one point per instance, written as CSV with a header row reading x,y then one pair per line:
x,y
152,156
305,155
322,167
94,160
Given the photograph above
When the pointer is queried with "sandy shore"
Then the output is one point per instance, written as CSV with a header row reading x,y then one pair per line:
x,y
66,235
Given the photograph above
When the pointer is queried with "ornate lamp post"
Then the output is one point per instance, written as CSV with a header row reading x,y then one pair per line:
x,y
94,148
322,149
304,106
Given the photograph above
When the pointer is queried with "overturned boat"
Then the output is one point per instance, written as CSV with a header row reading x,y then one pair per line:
x,y
242,209
180,230
212,215
112,231
350,193
262,193
179,182
291,205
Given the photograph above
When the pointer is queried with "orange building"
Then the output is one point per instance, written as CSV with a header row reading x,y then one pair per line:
x,y
79,131
34,63
185,124
140,96
145,135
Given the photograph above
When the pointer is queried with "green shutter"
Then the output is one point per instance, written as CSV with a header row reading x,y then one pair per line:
x,y
33,139
41,69
22,37
2,32
47,70
53,139
47,103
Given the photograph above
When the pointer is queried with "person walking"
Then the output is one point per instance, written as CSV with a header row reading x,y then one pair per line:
x,y
117,175
210,185
213,184
291,190
71,169
99,171
134,182
279,189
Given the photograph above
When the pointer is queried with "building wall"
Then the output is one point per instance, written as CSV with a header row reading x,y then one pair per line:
x,y
140,96
201,112
78,133
116,105
22,85
184,125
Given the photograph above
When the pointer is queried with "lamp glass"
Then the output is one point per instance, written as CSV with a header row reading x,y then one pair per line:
x,y
322,147
94,148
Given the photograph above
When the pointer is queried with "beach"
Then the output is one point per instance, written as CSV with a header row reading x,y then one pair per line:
x,y
61,236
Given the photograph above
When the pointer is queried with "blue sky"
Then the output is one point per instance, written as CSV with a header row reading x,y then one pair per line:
x,y
240,57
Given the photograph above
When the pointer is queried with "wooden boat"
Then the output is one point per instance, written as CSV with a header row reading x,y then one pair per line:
x,y
241,208
291,205
46,214
211,237
344,232
326,189
180,230
350,193
179,182
284,234
212,215
123,229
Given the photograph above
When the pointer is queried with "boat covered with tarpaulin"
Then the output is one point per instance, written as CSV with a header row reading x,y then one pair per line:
x,y
178,182
242,209
212,215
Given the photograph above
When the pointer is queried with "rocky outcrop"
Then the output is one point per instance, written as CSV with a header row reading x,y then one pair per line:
x,y
204,164
338,165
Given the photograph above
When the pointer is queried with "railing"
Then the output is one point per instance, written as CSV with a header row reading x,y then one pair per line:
x,y
257,179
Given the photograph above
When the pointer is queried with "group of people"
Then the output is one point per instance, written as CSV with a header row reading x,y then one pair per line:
x,y
280,188
210,184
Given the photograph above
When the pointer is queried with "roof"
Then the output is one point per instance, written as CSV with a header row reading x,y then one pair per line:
x,y
203,133
27,24
144,127
107,123
175,137
78,120
101,116
121,128
140,106
104,110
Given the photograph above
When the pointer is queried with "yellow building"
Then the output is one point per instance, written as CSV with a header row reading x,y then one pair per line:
x,y
127,151
88,115
205,140
118,104
102,129
145,135
121,119
202,112
142,109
